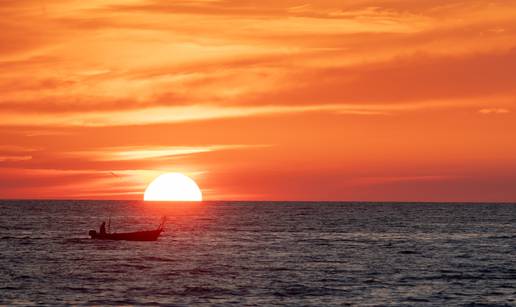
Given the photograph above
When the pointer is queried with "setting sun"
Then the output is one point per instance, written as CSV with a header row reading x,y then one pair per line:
x,y
172,187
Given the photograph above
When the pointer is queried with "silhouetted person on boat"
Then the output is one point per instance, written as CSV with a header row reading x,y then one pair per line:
x,y
103,228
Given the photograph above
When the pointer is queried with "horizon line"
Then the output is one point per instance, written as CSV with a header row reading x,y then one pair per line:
x,y
270,201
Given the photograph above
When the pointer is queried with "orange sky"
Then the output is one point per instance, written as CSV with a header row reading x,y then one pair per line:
x,y
259,100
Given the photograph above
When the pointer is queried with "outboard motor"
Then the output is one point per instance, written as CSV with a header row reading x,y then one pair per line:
x,y
92,233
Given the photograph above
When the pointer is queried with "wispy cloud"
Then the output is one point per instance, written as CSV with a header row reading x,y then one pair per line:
x,y
14,158
152,152
16,153
179,114
488,111
159,115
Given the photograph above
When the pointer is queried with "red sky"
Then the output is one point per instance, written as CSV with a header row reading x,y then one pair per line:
x,y
259,100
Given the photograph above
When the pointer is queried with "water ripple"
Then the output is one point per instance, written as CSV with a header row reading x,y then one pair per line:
x,y
254,254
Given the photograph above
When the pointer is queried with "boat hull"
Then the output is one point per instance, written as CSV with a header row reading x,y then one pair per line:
x,y
150,235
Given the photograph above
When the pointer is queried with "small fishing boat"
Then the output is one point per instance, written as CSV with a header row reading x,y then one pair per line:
x,y
147,235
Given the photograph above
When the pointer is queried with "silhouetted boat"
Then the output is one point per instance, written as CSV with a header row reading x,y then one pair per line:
x,y
147,235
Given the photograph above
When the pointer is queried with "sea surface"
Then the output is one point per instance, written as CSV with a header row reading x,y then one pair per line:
x,y
259,254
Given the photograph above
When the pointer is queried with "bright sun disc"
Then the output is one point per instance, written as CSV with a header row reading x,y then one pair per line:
x,y
172,187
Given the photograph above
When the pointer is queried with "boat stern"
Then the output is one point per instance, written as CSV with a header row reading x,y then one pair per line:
x,y
92,234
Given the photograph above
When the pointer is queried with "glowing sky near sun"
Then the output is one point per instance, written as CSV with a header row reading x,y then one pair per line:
x,y
259,100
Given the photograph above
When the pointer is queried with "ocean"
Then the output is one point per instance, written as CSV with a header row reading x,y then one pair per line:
x,y
259,254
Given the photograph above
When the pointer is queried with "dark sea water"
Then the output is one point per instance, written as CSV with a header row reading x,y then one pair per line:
x,y
258,254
